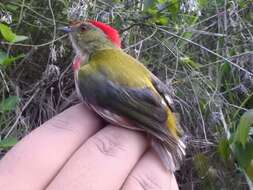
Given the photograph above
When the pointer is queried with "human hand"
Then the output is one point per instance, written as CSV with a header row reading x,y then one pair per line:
x,y
74,151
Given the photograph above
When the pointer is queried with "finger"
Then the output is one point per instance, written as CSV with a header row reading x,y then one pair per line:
x,y
36,159
149,173
103,162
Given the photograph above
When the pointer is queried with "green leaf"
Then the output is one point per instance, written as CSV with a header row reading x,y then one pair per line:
x,y
244,156
8,142
161,1
224,149
201,163
225,69
243,128
189,62
153,11
11,7
202,3
7,33
243,3
186,35
6,60
3,57
189,20
19,38
174,6
9,104
162,20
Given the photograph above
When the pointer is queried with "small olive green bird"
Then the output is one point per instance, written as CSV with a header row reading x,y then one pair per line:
x,y
122,90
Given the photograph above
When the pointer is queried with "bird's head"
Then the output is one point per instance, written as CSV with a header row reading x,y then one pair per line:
x,y
90,36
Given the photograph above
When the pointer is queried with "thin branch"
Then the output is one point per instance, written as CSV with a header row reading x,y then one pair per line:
x,y
34,46
208,50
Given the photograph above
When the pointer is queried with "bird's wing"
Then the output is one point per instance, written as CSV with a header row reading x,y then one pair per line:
x,y
139,105
115,81
117,86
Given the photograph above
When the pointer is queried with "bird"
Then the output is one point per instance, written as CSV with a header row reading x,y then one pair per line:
x,y
122,90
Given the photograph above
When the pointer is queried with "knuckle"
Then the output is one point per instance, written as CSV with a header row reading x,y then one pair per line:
x,y
60,123
147,182
108,144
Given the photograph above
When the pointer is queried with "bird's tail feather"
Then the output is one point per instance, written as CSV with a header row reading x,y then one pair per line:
x,y
170,155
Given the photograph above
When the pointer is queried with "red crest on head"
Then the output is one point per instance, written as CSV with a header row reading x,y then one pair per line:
x,y
111,32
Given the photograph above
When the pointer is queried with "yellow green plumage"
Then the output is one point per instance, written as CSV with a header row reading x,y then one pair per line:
x,y
131,73
123,91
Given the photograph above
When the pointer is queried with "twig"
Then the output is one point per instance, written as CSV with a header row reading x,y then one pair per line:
x,y
224,124
21,12
53,18
141,41
5,83
206,33
208,50
20,114
199,108
35,46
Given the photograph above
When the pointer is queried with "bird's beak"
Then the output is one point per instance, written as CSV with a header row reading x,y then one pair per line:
x,y
66,29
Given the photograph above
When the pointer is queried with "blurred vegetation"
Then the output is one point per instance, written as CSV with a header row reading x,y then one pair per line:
x,y
202,48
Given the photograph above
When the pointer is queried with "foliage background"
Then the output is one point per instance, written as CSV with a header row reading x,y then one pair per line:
x,y
202,48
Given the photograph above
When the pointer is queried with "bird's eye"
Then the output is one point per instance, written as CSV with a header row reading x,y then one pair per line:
x,y
83,27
